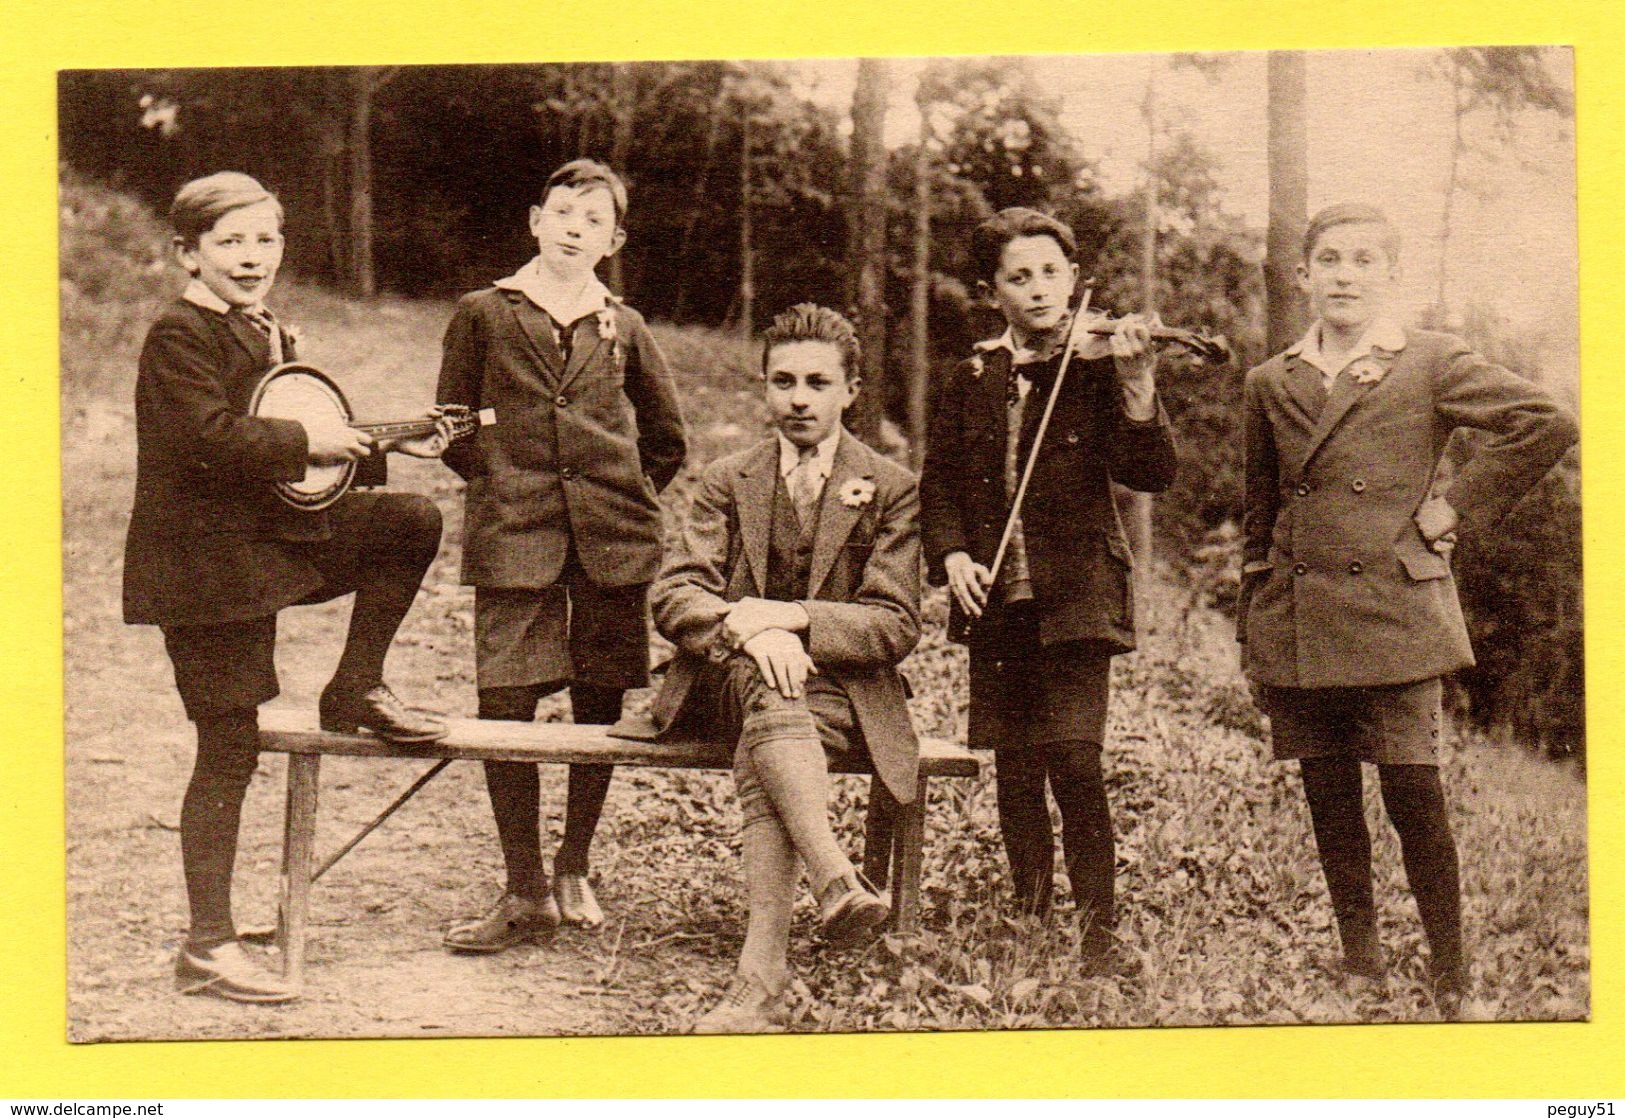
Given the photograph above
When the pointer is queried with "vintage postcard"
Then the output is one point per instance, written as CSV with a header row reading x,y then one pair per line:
x,y
1117,456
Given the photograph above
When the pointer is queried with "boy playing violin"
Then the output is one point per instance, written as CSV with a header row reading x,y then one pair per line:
x,y
1043,628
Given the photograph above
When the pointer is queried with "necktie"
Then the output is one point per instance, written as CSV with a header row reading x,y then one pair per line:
x,y
802,482
263,321
261,318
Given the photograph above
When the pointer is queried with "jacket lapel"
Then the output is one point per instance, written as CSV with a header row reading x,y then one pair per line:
x,y
1303,385
1346,392
533,323
585,341
757,477
256,343
837,518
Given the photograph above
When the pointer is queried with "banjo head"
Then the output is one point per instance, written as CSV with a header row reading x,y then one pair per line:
x,y
304,393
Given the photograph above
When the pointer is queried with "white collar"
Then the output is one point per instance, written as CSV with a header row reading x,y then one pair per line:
x,y
1382,333
542,288
823,455
198,294
1007,342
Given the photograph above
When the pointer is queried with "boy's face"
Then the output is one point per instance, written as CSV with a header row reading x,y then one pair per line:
x,y
238,258
575,228
1032,285
807,390
1348,275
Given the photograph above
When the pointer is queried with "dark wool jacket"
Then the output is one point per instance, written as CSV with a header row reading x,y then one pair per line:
x,y
1082,571
579,452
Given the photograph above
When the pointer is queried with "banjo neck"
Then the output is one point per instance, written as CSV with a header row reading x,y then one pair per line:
x,y
389,428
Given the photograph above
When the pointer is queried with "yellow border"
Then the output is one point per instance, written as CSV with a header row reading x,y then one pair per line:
x,y
1557,1061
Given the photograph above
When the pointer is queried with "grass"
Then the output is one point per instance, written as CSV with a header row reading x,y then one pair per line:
x,y
1221,899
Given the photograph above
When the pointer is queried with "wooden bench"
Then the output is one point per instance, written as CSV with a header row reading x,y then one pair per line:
x,y
894,834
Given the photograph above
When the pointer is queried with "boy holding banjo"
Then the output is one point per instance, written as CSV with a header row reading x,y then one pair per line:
x,y
215,550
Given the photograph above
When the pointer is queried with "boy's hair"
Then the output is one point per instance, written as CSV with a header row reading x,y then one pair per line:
x,y
988,241
1351,213
580,173
202,202
808,322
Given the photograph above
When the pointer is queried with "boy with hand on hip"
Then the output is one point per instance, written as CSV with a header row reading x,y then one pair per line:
x,y
1348,612
792,593
1042,634
562,521
213,553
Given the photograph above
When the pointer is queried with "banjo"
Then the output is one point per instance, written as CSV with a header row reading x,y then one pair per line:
x,y
301,392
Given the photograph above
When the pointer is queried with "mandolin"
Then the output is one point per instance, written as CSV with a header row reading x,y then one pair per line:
x,y
295,390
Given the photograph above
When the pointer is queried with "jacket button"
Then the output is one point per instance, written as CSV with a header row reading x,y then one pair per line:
x,y
1359,485
567,473
1072,438
1300,568
1356,567
1303,489
562,401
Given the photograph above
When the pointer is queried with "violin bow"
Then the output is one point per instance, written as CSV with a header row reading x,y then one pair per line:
x,y
1038,439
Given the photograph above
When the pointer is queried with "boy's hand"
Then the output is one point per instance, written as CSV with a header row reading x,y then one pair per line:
x,y
1136,365
969,582
332,442
782,660
1437,522
750,616
432,445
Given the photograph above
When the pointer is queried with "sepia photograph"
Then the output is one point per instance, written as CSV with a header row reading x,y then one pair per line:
x,y
822,546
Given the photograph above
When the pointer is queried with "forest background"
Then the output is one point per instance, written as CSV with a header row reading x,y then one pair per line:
x,y
755,184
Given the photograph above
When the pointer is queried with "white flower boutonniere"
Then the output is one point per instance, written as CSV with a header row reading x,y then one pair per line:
x,y
976,366
295,335
857,492
1368,370
606,330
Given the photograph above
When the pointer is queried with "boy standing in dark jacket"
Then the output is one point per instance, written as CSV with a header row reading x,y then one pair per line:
x,y
562,520
1348,611
1042,636
213,554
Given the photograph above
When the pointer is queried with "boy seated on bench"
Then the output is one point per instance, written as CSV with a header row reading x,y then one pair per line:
x,y
792,593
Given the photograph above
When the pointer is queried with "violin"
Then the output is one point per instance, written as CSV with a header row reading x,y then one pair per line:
x,y
1214,349
1204,348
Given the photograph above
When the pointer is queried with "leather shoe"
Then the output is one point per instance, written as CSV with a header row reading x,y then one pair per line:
x,y
576,902
379,711
227,971
853,914
513,920
747,1006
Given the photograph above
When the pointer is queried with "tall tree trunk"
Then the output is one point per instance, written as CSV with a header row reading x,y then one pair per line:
x,y
623,114
867,219
696,205
1457,147
363,280
1139,504
747,262
1289,196
919,381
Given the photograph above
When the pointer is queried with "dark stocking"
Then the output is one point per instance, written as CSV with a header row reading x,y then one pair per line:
x,y
1024,825
590,705
515,790
1076,781
408,532
1415,802
1333,789
228,746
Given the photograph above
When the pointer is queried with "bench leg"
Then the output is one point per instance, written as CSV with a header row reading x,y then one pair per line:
x,y
909,853
298,853
879,828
